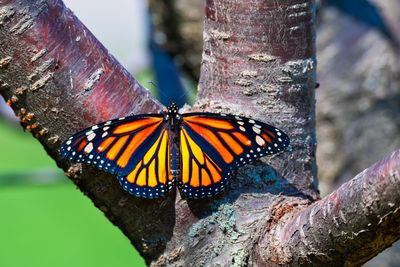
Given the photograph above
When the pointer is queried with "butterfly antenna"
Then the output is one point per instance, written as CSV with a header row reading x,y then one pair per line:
x,y
183,95
154,84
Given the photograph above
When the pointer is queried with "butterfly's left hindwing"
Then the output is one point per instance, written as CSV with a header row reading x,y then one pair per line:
x,y
212,145
135,148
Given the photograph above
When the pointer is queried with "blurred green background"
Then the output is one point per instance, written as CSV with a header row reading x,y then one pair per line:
x,y
45,220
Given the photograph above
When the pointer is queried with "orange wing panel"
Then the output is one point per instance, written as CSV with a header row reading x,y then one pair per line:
x,y
132,126
116,148
214,141
220,124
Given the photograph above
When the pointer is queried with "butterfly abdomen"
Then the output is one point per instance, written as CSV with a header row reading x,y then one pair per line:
x,y
175,157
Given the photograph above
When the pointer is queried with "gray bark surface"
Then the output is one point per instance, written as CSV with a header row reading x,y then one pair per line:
x,y
358,111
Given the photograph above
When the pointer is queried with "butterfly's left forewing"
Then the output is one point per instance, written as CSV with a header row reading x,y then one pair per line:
x,y
213,145
135,148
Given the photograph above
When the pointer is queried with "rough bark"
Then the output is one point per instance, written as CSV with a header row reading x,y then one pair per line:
x,y
347,227
266,70
259,61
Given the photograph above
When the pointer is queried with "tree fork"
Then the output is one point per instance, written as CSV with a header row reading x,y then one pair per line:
x,y
259,61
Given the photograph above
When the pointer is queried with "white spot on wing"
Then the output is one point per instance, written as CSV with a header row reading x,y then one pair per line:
x,y
242,128
256,130
91,136
260,141
88,148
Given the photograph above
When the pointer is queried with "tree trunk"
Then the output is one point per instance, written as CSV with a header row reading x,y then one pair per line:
x,y
258,61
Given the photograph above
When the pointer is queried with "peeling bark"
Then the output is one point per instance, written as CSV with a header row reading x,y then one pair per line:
x,y
258,61
347,227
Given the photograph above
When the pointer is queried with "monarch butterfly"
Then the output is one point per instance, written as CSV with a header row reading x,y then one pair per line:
x,y
150,153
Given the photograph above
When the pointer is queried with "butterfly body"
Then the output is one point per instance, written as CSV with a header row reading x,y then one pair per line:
x,y
150,153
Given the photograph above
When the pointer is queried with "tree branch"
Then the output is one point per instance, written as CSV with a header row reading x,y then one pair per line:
x,y
349,226
59,79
